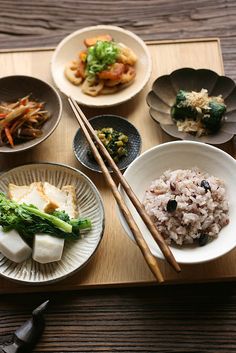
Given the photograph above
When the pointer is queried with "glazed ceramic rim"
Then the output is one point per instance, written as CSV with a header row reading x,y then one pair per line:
x,y
36,142
106,27
97,193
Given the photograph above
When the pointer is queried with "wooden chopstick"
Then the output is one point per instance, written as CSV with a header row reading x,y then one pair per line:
x,y
137,204
150,259
133,198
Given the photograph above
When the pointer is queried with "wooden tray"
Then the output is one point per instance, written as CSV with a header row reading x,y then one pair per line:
x,y
118,261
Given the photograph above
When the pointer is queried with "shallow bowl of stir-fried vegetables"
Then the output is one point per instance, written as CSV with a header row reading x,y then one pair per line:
x,y
101,66
197,105
30,110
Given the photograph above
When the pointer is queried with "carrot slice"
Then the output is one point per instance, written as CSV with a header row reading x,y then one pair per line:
x,y
9,136
83,55
92,41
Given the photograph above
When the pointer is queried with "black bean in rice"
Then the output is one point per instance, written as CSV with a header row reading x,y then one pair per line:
x,y
199,210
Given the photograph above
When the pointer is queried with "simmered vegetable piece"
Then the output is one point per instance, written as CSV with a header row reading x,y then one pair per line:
x,y
103,67
197,113
21,120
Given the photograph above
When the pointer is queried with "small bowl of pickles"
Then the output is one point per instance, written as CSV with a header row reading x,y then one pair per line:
x,y
121,139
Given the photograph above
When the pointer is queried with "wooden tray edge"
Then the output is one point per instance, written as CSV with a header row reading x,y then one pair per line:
x,y
148,42
47,289
151,42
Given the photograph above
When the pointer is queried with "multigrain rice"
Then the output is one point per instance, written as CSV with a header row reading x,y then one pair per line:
x,y
201,205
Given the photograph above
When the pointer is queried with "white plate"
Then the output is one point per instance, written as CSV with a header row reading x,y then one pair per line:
x,y
75,254
183,155
68,49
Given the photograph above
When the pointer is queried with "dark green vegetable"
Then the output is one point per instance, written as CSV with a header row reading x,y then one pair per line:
x,y
212,120
180,111
28,220
207,115
100,56
181,96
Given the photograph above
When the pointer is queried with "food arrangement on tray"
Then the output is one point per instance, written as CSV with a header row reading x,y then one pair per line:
x,y
103,68
53,232
101,73
39,216
189,203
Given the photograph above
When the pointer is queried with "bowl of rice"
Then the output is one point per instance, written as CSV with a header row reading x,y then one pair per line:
x,y
188,189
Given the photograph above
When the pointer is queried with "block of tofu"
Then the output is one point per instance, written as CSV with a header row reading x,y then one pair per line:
x,y
13,246
16,192
47,248
65,198
37,197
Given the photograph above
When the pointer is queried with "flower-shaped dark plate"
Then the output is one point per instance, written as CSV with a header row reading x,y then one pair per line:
x,y
162,97
81,147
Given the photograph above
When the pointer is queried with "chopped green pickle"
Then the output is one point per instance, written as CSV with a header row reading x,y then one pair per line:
x,y
114,141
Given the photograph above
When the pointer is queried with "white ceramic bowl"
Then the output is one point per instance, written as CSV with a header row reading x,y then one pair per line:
x,y
69,47
182,155
75,254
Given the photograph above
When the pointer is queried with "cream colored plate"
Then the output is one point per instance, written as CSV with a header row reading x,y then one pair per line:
x,y
68,49
76,254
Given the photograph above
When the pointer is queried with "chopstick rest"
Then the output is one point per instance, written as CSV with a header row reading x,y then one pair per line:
x,y
25,337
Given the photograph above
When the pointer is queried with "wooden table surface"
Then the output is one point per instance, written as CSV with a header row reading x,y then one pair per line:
x,y
190,318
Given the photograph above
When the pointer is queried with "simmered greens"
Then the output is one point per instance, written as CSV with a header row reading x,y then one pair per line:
x,y
28,220
197,113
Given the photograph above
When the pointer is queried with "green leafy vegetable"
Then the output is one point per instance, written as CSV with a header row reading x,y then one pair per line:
x,y
197,112
100,56
28,220
212,120
180,110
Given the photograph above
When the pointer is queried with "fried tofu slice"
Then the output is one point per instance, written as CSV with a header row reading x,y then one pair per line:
x,y
65,198
16,192
34,196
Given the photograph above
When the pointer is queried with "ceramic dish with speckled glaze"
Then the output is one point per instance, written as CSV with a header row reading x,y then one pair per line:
x,y
81,147
163,95
76,253
68,49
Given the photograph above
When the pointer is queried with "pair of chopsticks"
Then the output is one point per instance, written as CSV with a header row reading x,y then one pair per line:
x,y
91,135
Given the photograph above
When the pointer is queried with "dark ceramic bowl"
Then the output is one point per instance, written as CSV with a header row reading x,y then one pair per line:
x,y
14,87
162,97
81,147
